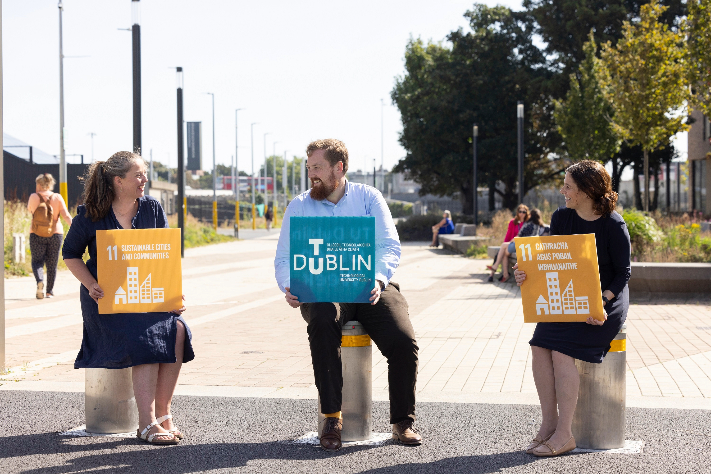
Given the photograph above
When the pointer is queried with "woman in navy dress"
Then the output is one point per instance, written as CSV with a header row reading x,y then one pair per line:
x,y
154,344
589,209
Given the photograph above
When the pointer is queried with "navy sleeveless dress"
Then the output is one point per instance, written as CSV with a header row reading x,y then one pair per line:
x,y
117,341
581,340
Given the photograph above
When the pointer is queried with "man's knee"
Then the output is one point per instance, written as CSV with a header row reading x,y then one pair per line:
x,y
319,314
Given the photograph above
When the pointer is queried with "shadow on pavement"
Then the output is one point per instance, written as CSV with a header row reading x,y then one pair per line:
x,y
481,464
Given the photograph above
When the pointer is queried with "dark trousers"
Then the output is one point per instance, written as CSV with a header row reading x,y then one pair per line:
x,y
45,250
388,324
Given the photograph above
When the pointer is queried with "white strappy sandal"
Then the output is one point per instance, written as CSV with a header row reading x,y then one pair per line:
x,y
149,438
176,432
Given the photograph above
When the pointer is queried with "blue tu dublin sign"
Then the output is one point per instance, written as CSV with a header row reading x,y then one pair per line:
x,y
332,259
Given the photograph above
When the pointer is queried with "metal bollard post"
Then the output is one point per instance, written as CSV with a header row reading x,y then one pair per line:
x,y
109,404
599,420
18,248
357,363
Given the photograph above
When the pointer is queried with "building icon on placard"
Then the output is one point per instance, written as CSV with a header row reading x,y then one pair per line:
x,y
567,303
144,293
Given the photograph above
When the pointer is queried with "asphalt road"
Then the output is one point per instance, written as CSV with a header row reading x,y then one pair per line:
x,y
256,435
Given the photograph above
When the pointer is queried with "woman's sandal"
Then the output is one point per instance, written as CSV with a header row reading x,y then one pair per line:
x,y
490,268
503,279
151,438
176,432
536,442
549,451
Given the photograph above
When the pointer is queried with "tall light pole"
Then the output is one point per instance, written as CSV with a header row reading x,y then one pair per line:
x,y
62,158
2,217
274,175
266,196
475,182
214,167
136,48
254,202
283,181
182,205
519,117
92,135
236,187
382,143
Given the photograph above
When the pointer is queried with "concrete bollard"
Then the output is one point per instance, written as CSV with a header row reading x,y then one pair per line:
x,y
357,404
18,248
109,404
599,420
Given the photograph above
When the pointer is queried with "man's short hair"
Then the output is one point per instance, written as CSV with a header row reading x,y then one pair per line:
x,y
335,151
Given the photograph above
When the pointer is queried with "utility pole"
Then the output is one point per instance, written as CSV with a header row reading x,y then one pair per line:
x,y
62,158
236,157
254,203
475,182
2,210
136,43
274,176
266,195
92,135
182,205
283,182
214,167
519,116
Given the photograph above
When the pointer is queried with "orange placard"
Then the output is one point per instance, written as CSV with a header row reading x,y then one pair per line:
x,y
562,278
139,270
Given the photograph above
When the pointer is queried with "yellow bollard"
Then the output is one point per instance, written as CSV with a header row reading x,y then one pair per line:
x,y
254,217
214,215
276,219
237,219
63,192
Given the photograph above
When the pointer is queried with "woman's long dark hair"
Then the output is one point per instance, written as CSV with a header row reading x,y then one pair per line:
x,y
99,191
535,217
593,179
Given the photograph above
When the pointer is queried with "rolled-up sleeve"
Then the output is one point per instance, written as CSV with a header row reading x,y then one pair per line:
x,y
281,260
387,242
78,236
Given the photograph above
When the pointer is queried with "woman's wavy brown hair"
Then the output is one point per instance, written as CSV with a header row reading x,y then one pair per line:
x,y
522,207
593,179
99,190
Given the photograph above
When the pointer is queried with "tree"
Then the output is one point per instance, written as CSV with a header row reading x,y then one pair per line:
x,y
699,46
644,78
584,117
478,79
293,171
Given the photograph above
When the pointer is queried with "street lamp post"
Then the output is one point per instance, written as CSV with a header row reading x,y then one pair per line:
x,y
136,48
475,182
283,181
519,116
382,143
235,178
62,158
214,167
266,195
254,216
274,177
182,207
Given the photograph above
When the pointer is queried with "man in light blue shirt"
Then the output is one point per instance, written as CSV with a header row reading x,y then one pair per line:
x,y
385,319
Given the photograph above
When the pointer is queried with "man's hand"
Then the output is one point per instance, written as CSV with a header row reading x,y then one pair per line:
x,y
291,299
377,291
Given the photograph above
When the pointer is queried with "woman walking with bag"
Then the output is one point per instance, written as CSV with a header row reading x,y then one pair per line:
x,y
47,232
154,344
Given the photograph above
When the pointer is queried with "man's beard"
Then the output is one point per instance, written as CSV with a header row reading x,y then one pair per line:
x,y
323,190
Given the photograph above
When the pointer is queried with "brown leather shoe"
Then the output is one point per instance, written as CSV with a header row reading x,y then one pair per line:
x,y
331,434
406,434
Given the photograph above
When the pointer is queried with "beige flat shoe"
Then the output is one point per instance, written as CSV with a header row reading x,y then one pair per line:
x,y
536,442
545,449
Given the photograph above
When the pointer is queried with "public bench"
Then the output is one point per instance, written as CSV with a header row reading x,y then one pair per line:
x,y
464,236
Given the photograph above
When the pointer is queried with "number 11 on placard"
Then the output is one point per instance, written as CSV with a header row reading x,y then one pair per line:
x,y
115,248
523,251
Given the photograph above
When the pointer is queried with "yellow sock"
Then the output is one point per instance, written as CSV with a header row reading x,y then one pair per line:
x,y
333,415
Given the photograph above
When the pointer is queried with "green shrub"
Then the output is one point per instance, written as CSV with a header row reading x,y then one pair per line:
x,y
477,251
643,229
417,228
400,209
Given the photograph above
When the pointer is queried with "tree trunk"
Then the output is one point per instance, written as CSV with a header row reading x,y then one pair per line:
x,y
465,196
646,181
636,187
655,202
615,177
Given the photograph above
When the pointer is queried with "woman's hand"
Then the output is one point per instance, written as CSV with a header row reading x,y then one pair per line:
x,y
95,292
519,275
180,310
594,322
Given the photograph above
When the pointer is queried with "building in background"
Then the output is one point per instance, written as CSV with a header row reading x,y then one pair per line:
x,y
699,163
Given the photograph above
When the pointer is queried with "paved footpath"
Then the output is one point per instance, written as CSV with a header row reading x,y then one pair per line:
x,y
251,346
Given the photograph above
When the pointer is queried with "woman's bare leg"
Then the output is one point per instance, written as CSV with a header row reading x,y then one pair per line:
x,y
435,234
168,378
145,379
505,262
567,382
499,257
544,378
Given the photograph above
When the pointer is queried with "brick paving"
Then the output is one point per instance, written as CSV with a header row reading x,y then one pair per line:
x,y
471,333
